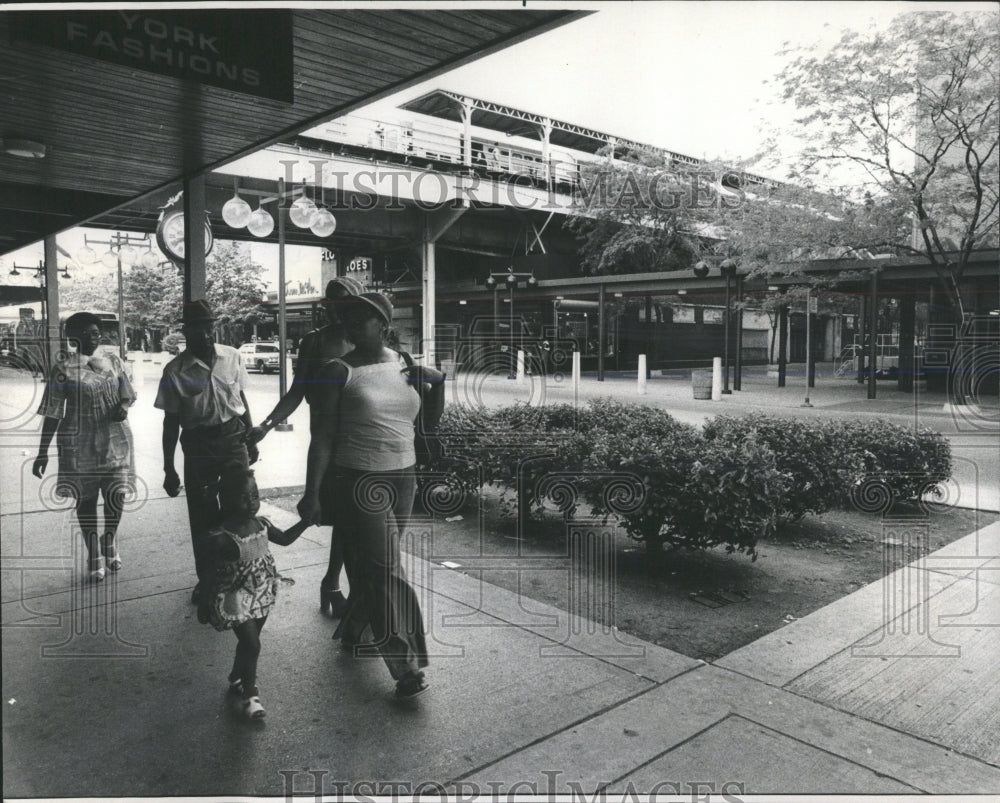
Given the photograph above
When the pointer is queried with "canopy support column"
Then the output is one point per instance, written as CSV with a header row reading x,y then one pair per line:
x,y
194,238
51,314
435,225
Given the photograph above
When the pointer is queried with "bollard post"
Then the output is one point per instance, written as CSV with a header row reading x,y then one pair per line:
x,y
716,378
520,366
641,375
576,372
137,377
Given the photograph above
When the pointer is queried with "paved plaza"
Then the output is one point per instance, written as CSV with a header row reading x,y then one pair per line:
x,y
114,690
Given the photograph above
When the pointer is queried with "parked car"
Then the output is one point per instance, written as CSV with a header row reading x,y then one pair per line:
x,y
174,343
264,357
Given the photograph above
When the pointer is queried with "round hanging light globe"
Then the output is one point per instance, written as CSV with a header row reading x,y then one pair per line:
x,y
86,255
324,223
129,255
302,212
149,260
236,212
110,259
261,223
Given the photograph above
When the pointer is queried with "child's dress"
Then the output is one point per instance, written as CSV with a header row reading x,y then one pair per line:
x,y
246,588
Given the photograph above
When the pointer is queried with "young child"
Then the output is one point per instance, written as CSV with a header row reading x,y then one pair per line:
x,y
245,579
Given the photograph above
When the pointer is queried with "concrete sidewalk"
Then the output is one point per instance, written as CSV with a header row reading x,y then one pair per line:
x,y
114,690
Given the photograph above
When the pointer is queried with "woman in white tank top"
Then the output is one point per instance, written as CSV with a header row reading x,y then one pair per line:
x,y
364,429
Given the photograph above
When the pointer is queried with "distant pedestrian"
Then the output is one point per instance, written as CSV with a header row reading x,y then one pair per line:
x,y
243,581
318,347
204,404
85,404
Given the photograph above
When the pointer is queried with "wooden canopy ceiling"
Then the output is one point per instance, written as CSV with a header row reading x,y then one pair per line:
x,y
91,87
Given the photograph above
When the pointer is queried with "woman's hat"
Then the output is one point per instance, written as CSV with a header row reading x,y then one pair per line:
x,y
341,285
381,304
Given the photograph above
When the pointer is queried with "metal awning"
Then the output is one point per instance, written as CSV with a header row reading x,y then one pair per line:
x,y
126,103
20,294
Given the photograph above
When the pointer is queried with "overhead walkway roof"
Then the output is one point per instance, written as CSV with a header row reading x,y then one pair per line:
x,y
448,105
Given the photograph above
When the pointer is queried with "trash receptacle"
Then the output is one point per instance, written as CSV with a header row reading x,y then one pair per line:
x,y
701,384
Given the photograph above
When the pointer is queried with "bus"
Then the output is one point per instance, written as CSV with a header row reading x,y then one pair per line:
x,y
110,330
23,339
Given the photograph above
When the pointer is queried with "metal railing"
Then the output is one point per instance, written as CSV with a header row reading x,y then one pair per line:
x,y
442,143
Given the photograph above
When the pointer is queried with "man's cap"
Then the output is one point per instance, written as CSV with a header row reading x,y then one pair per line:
x,y
380,303
344,284
196,312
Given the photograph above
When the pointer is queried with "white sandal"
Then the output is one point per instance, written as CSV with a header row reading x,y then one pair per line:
x,y
114,562
252,709
97,574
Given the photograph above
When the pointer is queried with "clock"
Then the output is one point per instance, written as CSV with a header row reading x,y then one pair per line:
x,y
170,233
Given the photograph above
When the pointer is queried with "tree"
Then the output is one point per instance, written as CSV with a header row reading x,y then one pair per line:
x,y
900,131
234,286
641,212
87,292
153,297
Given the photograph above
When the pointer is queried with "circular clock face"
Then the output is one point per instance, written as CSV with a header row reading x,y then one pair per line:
x,y
171,235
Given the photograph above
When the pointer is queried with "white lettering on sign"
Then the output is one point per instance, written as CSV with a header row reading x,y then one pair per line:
x,y
159,43
359,263
157,29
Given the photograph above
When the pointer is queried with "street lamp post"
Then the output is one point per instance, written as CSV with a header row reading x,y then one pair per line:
x,y
728,269
124,253
809,308
511,281
511,278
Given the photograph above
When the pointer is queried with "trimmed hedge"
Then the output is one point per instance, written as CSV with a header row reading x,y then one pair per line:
x,y
730,484
821,465
908,462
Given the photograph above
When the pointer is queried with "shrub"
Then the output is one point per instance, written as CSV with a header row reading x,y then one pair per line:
x,y
497,446
698,493
731,484
732,496
659,452
907,461
819,465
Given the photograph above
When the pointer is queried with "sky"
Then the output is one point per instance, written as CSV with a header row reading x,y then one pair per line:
x,y
692,77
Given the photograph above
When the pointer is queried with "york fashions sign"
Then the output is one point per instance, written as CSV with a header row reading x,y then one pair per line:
x,y
248,52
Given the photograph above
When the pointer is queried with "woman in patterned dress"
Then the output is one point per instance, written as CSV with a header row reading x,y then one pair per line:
x,y
245,581
85,405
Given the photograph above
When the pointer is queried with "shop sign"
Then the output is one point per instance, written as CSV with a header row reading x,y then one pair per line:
x,y
360,268
244,52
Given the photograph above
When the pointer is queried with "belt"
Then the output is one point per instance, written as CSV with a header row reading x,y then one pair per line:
x,y
212,430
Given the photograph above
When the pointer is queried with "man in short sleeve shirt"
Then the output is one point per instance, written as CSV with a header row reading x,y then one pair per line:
x,y
202,395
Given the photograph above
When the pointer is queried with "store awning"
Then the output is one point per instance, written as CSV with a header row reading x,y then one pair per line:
x,y
19,294
102,108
